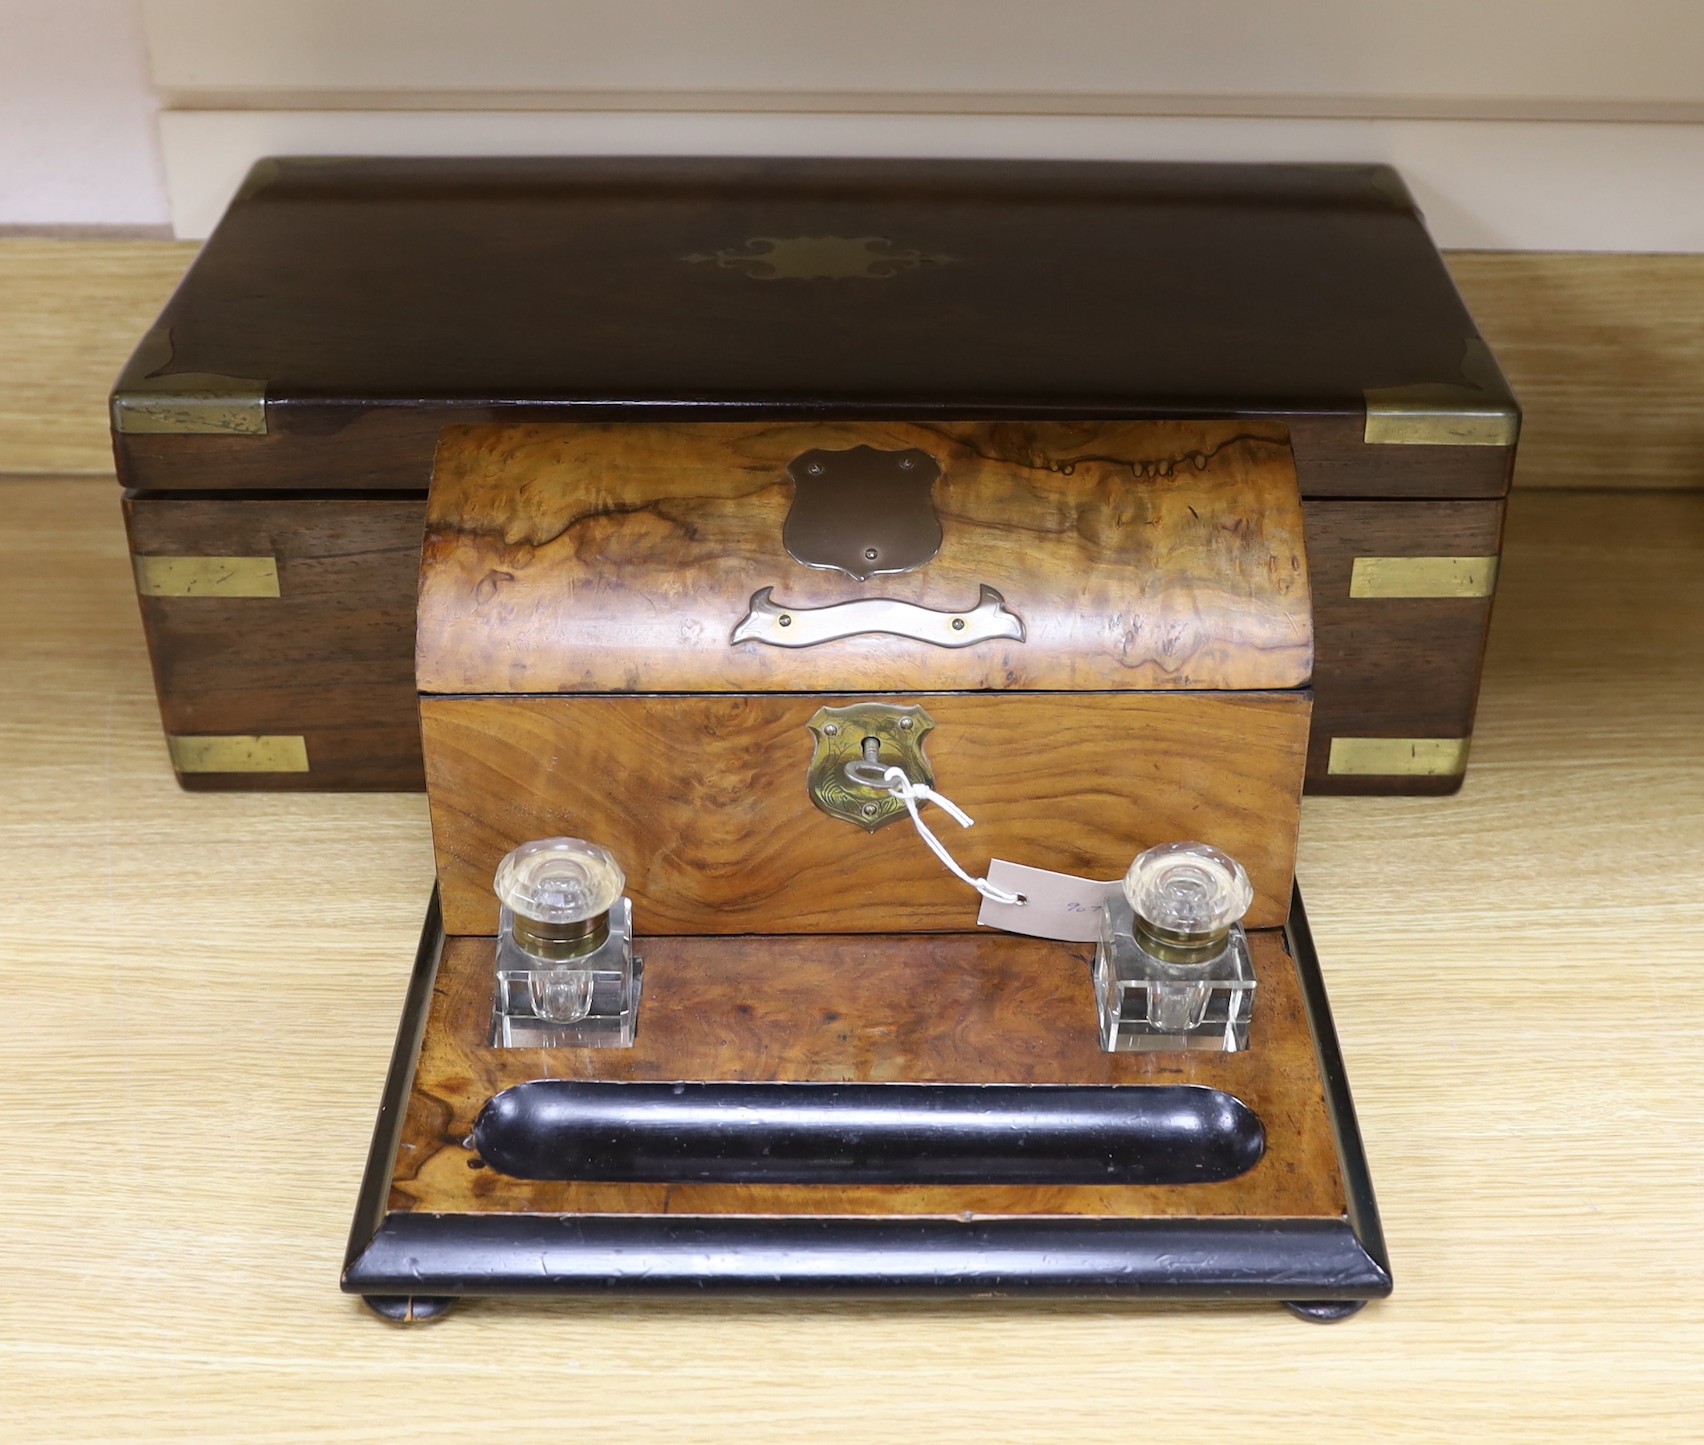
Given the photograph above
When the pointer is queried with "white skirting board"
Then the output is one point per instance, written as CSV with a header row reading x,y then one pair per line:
x,y
1483,184
1533,59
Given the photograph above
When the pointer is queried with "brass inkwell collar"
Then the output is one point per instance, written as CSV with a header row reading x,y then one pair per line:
x,y
1186,898
559,892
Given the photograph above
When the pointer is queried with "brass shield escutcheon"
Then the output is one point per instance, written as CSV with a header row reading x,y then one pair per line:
x,y
841,734
818,258
863,512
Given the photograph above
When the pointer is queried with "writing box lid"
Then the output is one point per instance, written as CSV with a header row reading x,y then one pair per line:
x,y
872,556
342,300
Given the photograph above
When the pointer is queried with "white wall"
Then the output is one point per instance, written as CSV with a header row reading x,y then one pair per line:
x,y
1523,59
1527,124
77,136
1546,186
1521,124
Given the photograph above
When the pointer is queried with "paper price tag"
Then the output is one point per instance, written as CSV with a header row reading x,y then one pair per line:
x,y
1056,905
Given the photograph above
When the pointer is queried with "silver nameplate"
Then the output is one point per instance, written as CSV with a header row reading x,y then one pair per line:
x,y
770,622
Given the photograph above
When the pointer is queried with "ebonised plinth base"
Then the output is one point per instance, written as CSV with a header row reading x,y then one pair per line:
x,y
537,1201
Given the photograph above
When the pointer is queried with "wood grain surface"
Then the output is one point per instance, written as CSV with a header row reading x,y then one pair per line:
x,y
981,1008
620,558
1587,340
704,800
327,660
1395,667
71,312
1606,354
187,1138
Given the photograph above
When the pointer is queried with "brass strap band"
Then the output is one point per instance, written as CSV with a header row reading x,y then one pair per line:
x,y
1398,757
208,753
206,576
1423,577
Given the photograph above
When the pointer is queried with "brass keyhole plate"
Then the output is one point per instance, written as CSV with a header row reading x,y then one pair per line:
x,y
840,733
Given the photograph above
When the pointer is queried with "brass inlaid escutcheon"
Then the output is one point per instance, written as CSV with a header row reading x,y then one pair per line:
x,y
882,734
818,258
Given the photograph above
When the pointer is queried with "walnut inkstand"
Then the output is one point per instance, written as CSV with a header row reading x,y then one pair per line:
x,y
721,989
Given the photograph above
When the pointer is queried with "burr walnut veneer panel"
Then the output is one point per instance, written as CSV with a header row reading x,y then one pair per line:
x,y
703,799
978,1008
620,557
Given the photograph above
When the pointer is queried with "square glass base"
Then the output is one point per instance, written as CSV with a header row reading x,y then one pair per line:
x,y
609,1024
1149,1005
589,1002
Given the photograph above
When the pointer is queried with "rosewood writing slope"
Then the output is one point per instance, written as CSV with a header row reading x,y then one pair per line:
x,y
274,431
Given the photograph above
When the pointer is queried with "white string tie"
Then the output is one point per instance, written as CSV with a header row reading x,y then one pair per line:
x,y
911,794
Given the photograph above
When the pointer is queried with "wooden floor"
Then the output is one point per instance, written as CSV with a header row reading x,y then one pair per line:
x,y
200,992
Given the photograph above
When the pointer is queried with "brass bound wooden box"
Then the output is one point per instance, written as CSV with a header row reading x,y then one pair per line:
x,y
274,431
865,857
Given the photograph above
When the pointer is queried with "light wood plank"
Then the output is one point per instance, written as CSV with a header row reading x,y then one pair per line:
x,y
70,313
191,1105
1606,354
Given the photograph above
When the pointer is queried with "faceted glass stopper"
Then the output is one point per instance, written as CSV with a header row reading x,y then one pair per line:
x,y
559,881
1187,892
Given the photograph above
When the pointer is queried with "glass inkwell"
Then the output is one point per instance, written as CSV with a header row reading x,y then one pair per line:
x,y
1172,969
566,975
